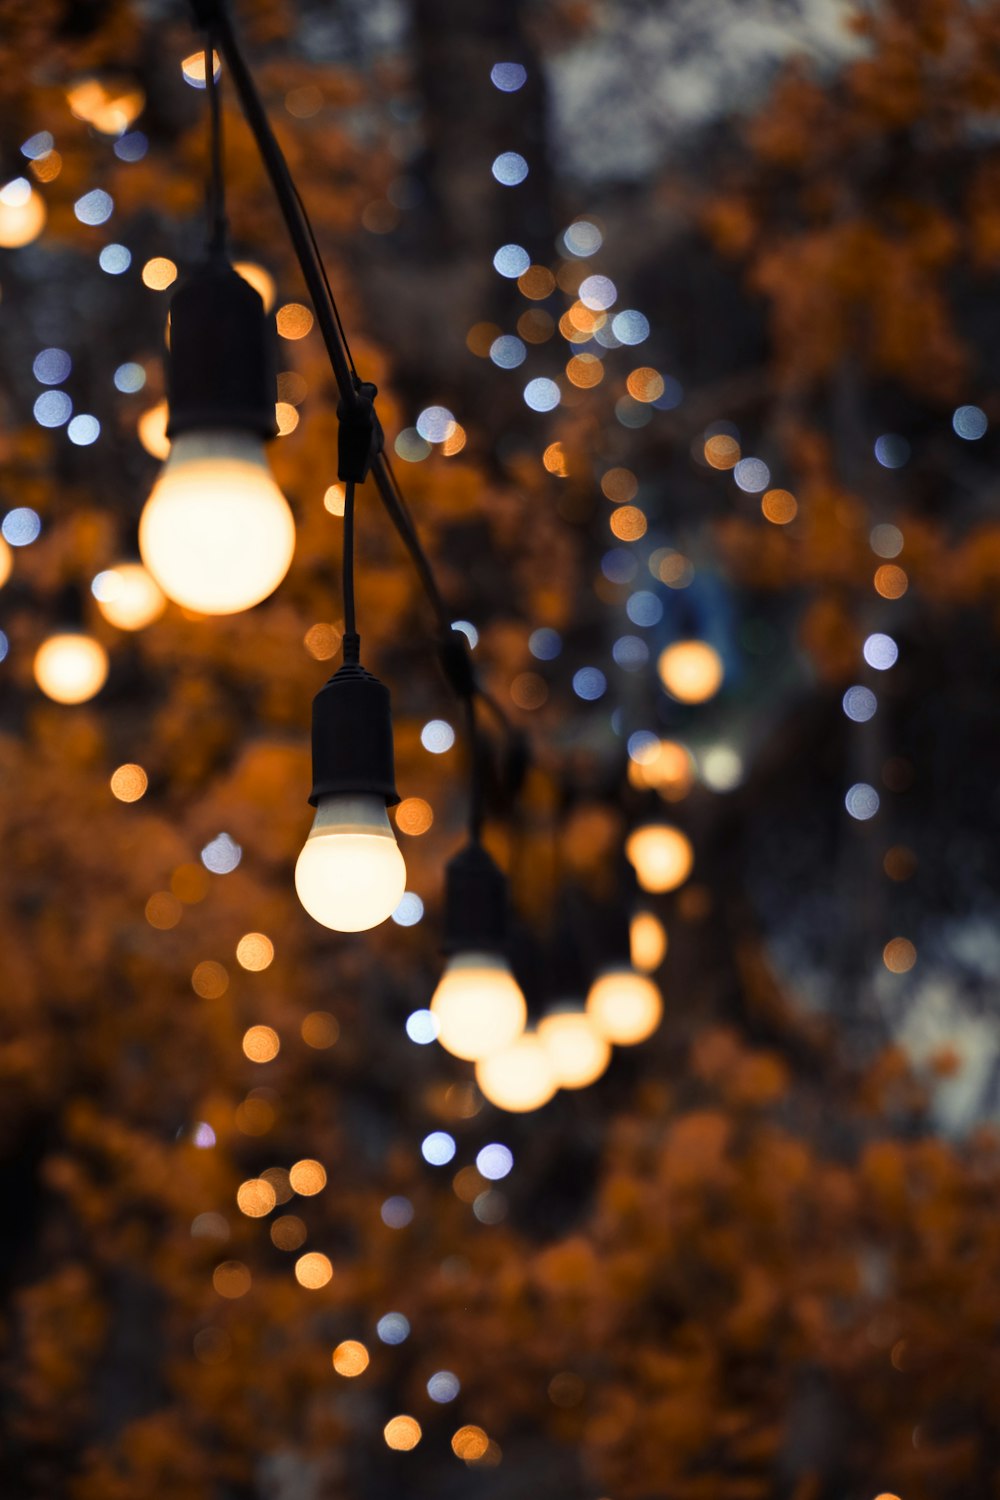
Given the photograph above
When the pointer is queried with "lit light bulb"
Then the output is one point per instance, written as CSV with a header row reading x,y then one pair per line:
x,y
22,214
577,1050
661,856
691,671
350,874
648,941
624,1006
70,667
216,532
478,1006
128,597
6,562
520,1078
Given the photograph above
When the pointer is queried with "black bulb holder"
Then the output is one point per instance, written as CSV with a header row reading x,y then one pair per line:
x,y
352,738
220,370
476,903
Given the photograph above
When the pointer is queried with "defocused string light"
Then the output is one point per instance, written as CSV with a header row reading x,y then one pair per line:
x,y
520,1078
22,214
661,856
70,667
128,596
577,1049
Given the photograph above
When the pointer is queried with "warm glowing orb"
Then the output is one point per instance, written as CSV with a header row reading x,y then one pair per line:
x,y
350,875
691,671
22,214
70,668
520,1078
216,532
661,856
578,1052
478,1006
129,597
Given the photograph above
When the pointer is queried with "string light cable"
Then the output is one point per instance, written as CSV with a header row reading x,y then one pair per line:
x,y
213,16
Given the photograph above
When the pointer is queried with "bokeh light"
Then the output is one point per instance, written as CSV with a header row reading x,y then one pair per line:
x,y
402,1433
129,782
128,596
691,671
307,1177
70,668
350,1358
661,855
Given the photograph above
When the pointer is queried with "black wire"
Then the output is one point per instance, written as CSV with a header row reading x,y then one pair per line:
x,y
350,628
326,280
327,313
218,224
296,221
398,513
476,751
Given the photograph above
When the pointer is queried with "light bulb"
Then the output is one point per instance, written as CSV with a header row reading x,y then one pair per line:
x,y
661,856
624,1006
128,596
577,1050
520,1078
478,1006
350,874
71,667
216,532
22,214
691,671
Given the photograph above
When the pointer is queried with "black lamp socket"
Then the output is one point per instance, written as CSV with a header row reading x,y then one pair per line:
x,y
352,738
476,902
220,371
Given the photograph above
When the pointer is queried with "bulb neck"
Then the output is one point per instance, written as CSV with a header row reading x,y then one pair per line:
x,y
362,813
352,746
472,960
476,903
220,369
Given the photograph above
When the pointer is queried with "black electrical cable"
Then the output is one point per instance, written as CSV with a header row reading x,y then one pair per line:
x,y
214,16
317,282
476,751
352,642
326,282
218,223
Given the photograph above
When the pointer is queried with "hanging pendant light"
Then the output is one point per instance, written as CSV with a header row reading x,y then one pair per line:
x,y
216,532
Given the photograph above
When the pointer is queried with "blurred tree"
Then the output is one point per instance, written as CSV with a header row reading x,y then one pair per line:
x,y
745,1264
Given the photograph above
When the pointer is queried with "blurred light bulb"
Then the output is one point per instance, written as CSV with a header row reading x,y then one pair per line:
x,y
624,1006
128,597
648,941
691,671
520,1078
22,214
216,532
6,562
350,874
577,1050
661,856
478,1006
71,667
